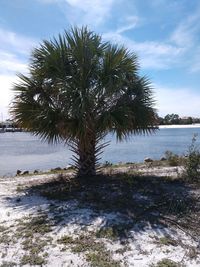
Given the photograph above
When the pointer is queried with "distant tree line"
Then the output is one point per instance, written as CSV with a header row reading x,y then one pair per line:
x,y
8,124
171,119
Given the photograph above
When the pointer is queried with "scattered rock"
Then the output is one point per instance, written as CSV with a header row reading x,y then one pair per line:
x,y
36,171
70,168
57,169
19,172
148,160
163,159
25,172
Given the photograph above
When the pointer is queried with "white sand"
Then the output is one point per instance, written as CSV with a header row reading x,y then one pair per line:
x,y
197,125
142,246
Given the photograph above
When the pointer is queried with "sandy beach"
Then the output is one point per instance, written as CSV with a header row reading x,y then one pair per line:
x,y
40,231
179,126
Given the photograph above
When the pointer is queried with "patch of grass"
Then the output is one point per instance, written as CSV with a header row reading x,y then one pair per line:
x,y
107,232
65,240
34,246
58,187
6,239
107,164
129,178
19,189
87,243
33,231
80,244
166,263
8,264
30,226
173,159
32,260
167,241
58,218
96,253
123,250
192,252
192,163
115,231
101,259
59,190
3,228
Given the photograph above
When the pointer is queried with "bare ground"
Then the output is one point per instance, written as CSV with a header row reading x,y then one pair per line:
x,y
128,216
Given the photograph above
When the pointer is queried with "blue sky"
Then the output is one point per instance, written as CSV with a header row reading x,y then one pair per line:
x,y
165,34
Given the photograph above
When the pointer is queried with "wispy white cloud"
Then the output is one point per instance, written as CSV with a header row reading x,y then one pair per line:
x,y
152,54
6,93
183,101
174,50
130,23
84,12
9,63
14,49
195,61
90,12
185,34
50,1
12,41
156,55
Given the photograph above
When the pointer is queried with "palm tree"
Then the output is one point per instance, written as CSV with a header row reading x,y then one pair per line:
x,y
78,89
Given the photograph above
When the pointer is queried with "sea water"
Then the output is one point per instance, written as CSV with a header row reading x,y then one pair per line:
x,y
25,151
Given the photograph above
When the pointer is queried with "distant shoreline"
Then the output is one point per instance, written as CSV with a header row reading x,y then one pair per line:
x,y
179,126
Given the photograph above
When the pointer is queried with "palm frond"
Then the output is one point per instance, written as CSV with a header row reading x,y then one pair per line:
x,y
78,89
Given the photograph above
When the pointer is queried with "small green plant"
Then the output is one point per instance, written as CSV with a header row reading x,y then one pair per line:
x,y
38,224
96,253
173,159
8,264
167,241
5,239
101,259
114,232
107,232
3,228
107,164
192,165
28,259
166,263
65,240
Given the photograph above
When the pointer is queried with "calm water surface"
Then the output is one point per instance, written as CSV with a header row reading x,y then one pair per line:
x,y
26,152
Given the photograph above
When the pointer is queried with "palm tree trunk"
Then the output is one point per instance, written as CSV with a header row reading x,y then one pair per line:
x,y
87,158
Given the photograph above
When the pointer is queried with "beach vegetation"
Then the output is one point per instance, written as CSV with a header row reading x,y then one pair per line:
x,y
172,158
167,241
34,259
166,263
96,252
8,264
192,164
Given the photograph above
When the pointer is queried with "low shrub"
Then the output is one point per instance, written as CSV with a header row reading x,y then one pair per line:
x,y
192,164
107,164
166,263
173,159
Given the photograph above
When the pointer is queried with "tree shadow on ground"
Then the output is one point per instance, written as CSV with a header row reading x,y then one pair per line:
x,y
129,199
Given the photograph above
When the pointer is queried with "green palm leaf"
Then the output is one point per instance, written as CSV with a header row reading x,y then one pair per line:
x,y
78,89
